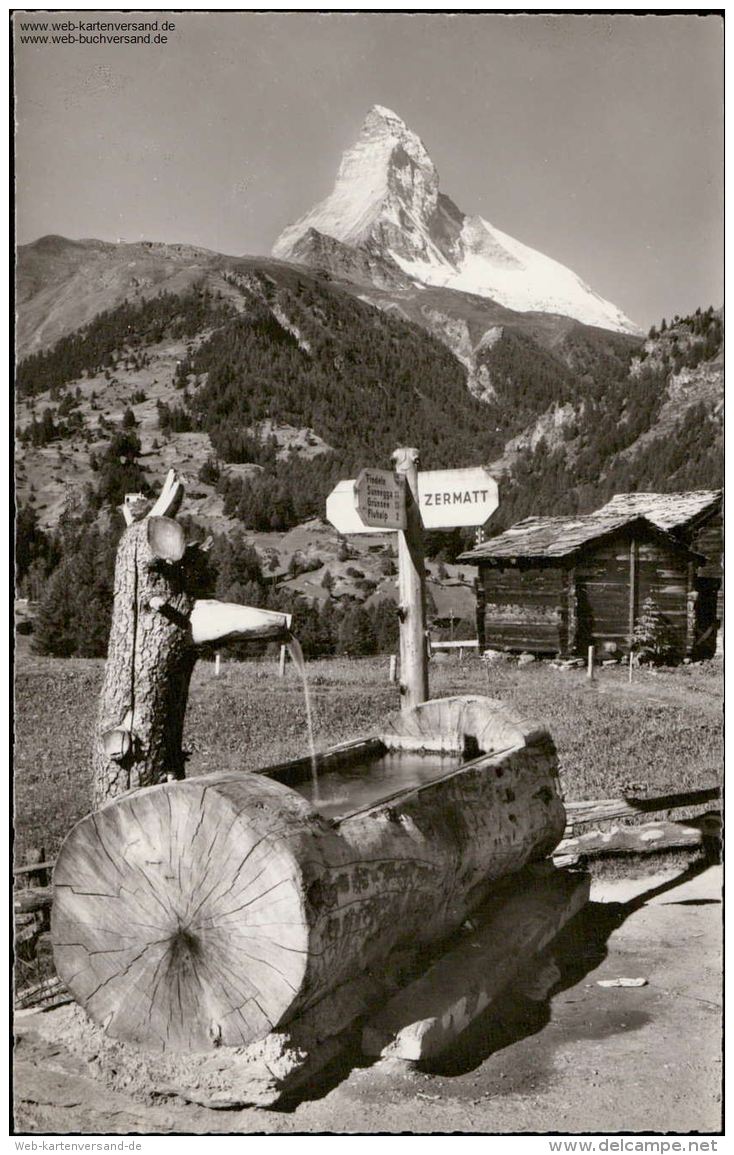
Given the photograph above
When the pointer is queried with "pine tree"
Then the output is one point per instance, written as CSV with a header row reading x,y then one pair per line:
x,y
651,640
356,633
75,609
385,622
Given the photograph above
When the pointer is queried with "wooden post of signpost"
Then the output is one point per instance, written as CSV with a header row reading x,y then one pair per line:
x,y
405,501
411,582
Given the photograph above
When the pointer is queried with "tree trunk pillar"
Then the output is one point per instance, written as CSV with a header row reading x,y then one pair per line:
x,y
149,663
157,624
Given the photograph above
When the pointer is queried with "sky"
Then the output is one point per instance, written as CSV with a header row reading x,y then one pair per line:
x,y
596,139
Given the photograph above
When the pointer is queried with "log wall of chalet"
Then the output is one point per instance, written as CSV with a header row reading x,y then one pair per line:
x,y
614,578
707,538
526,607
603,595
591,597
666,577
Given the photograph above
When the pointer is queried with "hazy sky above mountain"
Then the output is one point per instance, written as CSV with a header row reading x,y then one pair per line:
x,y
598,140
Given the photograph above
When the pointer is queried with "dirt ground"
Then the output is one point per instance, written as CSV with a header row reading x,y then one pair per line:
x,y
585,1059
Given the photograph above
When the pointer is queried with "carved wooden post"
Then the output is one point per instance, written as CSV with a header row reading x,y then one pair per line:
x,y
157,622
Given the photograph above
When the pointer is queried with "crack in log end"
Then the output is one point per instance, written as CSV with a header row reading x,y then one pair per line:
x,y
185,948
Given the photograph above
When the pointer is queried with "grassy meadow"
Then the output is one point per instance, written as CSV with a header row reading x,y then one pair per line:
x,y
662,733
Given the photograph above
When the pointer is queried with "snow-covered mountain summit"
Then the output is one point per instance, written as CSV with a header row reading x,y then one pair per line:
x,y
387,205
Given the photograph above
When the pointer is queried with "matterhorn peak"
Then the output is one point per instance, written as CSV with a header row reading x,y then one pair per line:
x,y
387,205
386,173
379,112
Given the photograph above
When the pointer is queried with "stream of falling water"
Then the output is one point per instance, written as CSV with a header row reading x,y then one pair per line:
x,y
296,653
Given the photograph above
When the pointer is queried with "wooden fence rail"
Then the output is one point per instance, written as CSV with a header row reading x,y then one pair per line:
x,y
703,831
584,813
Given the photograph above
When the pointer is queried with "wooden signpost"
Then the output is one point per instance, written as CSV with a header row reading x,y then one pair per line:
x,y
407,501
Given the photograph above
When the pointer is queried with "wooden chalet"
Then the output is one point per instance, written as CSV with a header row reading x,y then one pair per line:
x,y
695,518
561,584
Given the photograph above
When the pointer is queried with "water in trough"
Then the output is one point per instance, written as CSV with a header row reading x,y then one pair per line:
x,y
342,791
336,792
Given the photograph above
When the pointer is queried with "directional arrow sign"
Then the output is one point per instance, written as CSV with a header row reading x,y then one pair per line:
x,y
381,498
446,497
341,510
453,497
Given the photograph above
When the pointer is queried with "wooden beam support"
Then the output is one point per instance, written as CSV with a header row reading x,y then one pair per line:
x,y
633,577
34,868
572,628
32,899
48,993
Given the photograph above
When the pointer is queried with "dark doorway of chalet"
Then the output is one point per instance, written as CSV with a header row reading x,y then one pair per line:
x,y
704,645
600,614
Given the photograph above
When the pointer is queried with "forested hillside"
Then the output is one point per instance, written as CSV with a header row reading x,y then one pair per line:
x,y
653,424
268,384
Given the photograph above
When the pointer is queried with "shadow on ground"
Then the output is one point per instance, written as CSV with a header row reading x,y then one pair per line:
x,y
577,951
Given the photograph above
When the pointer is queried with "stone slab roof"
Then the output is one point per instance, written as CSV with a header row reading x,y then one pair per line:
x,y
559,537
665,510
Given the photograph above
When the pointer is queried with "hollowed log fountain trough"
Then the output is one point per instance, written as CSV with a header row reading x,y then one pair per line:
x,y
229,910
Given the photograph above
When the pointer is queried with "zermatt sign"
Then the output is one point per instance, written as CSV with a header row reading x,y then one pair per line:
x,y
455,497
446,498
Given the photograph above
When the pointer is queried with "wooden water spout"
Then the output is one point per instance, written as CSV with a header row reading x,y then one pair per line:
x,y
157,623
210,911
